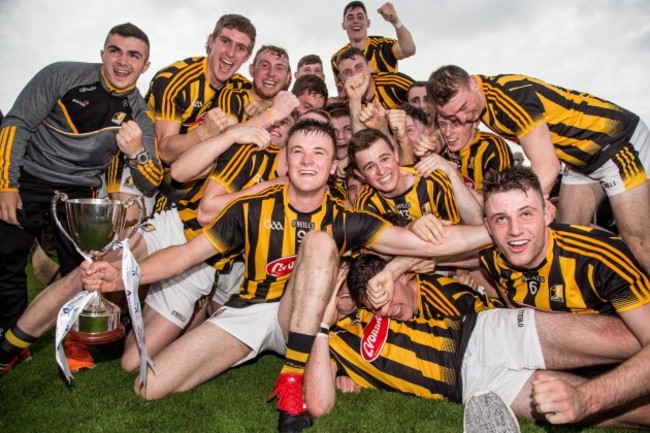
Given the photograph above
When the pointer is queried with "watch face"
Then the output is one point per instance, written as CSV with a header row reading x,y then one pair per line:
x,y
142,158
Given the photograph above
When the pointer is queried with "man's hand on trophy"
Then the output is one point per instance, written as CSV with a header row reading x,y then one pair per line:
x,y
102,276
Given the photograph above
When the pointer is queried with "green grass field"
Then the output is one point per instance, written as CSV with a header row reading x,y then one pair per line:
x,y
36,399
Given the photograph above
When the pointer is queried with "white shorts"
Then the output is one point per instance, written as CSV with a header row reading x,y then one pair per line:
x,y
228,284
256,326
627,169
502,353
176,297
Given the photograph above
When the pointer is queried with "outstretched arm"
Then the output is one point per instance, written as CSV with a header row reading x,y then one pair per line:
x,y
562,402
405,45
163,264
458,239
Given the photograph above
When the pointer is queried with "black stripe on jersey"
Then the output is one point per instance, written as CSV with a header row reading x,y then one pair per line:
x,y
602,250
177,82
513,110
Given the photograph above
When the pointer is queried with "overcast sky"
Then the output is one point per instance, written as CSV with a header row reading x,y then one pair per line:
x,y
596,46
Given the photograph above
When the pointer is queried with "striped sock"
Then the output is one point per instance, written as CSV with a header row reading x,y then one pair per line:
x,y
298,348
12,343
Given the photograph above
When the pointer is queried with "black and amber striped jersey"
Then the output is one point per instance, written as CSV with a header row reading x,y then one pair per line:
x,y
267,230
586,270
585,130
181,93
486,152
440,296
392,89
238,168
431,194
336,189
378,52
234,99
420,357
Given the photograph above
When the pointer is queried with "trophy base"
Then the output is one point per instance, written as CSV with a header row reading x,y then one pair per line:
x,y
97,337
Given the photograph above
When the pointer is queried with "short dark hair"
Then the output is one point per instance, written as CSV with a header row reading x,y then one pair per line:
x,y
415,113
362,140
353,5
278,51
311,126
237,22
444,82
513,178
351,53
311,84
320,112
362,269
129,30
417,84
338,109
309,59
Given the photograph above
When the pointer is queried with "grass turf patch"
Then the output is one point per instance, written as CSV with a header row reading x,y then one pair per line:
x,y
36,398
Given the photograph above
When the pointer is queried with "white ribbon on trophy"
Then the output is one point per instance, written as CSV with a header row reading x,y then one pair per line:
x,y
67,317
131,279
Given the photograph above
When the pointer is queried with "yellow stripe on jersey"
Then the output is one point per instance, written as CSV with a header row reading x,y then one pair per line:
x,y
7,135
586,131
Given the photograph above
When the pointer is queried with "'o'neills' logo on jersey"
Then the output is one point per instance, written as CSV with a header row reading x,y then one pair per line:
x,y
374,337
280,267
303,224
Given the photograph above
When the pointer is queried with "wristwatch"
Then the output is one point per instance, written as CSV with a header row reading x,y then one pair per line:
x,y
141,157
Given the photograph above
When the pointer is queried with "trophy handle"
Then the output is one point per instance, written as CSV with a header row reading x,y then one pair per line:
x,y
130,202
63,197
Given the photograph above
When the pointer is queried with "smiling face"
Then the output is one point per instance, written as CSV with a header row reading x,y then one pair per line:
x,y
378,167
310,160
517,222
457,135
465,107
355,23
280,131
270,73
124,59
226,53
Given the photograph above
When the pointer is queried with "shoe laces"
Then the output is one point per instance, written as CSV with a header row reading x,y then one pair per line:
x,y
288,390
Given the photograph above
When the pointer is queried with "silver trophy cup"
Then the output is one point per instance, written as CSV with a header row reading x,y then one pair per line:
x,y
96,225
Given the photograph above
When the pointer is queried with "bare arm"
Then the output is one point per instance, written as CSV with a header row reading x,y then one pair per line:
x,y
459,239
171,144
320,373
356,87
469,208
540,151
163,264
320,379
283,105
405,45
563,403
216,198
198,160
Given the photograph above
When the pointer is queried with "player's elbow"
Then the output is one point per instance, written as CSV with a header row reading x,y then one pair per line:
x,y
319,407
178,174
409,51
